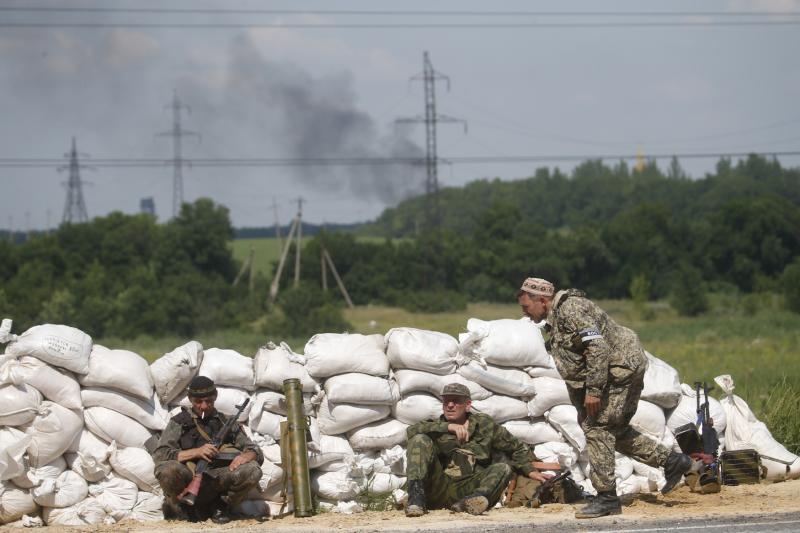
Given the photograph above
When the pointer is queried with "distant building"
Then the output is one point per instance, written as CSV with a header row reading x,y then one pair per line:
x,y
148,206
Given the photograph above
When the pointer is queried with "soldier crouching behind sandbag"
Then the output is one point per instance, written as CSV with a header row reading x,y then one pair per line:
x,y
233,467
450,459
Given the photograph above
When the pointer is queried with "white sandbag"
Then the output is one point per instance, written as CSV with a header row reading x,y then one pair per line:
x,y
67,489
476,391
335,419
745,431
134,464
52,432
61,346
662,386
56,385
649,420
110,425
419,349
556,452
173,371
655,476
549,393
147,508
267,423
13,446
417,407
18,404
88,468
33,477
501,408
378,435
508,381
533,432
548,370
381,483
275,402
623,466
270,475
686,410
275,364
227,400
228,368
15,502
87,512
565,419
334,485
120,370
504,342
410,381
361,389
329,354
634,484
332,448
89,456
149,413
117,495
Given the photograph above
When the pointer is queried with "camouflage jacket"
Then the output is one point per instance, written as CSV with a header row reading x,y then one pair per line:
x,y
590,349
486,439
182,433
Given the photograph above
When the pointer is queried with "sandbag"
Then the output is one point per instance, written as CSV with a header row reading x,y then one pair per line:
x,y
266,423
88,468
89,456
110,425
381,483
378,435
228,368
565,419
416,408
117,495
334,419
418,349
19,404
686,410
649,420
549,393
270,475
33,477
173,371
275,364
331,448
501,408
147,507
361,389
87,512
334,485
508,381
329,354
134,464
56,385
121,370
504,342
227,400
662,386
67,489
149,412
51,432
549,370
533,432
556,452
655,476
745,431
13,446
410,381
15,502
275,402
61,346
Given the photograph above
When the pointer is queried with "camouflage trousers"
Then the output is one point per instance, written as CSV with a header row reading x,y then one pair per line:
x,y
173,476
610,431
443,490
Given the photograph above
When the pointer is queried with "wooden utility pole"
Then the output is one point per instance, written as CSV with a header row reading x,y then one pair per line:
x,y
273,289
335,273
277,222
324,270
247,265
298,239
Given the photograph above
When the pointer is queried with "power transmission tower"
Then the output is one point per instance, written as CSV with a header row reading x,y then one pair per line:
x,y
429,77
75,206
177,133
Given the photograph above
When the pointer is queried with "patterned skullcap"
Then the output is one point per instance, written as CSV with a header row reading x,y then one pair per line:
x,y
201,387
538,286
456,389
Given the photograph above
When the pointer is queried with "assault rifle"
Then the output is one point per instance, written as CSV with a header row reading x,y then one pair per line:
x,y
544,493
709,474
189,495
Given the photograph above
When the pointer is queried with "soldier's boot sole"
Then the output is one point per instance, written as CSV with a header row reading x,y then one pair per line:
x,y
476,505
596,511
414,511
676,467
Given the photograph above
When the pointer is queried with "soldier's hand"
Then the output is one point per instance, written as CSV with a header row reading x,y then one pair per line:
x,y
592,404
460,431
206,451
541,477
242,458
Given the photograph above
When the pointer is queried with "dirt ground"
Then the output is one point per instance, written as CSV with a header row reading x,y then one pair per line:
x,y
748,499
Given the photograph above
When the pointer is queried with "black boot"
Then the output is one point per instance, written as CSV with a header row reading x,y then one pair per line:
x,y
221,515
605,503
416,498
177,511
675,467
473,504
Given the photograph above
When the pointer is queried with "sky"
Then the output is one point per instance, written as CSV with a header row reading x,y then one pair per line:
x,y
271,86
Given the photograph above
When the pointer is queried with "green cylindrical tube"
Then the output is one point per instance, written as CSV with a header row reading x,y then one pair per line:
x,y
298,425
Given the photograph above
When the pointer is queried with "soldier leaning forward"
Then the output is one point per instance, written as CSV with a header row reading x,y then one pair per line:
x,y
233,467
449,460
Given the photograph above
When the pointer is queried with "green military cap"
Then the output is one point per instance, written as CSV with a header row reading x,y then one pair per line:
x,y
200,387
456,389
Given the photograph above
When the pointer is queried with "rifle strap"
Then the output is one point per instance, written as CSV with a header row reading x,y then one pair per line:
x,y
200,430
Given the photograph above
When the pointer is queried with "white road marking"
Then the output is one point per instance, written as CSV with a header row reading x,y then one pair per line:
x,y
732,524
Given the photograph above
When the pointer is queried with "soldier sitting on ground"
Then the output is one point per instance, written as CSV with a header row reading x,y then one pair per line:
x,y
234,466
450,459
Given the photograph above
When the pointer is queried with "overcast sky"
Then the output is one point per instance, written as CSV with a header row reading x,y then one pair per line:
x,y
294,92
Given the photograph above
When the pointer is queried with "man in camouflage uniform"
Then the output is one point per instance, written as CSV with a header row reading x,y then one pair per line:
x,y
450,459
603,365
233,467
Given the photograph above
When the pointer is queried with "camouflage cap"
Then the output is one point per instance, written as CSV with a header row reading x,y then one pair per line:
x,y
200,387
538,287
456,389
